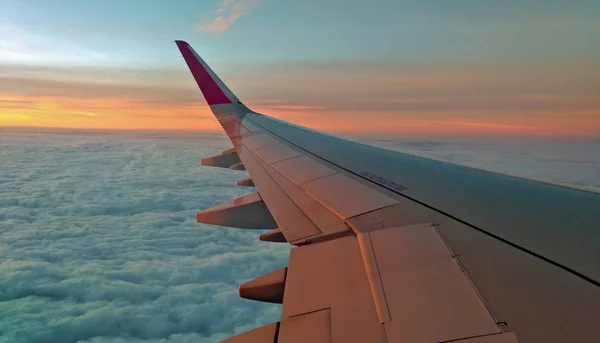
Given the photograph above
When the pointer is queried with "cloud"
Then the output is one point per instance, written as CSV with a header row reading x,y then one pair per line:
x,y
548,98
228,12
298,107
98,240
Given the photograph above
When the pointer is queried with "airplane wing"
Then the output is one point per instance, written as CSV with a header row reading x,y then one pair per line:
x,y
390,247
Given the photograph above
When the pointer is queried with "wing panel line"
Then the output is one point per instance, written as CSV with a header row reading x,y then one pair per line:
x,y
374,276
483,231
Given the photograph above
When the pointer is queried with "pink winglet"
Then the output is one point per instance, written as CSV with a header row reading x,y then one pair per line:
x,y
211,91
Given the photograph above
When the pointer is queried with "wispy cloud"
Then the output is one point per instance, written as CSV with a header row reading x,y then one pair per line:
x,y
228,12
550,99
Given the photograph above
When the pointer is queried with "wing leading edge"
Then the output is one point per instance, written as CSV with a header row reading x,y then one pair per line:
x,y
385,253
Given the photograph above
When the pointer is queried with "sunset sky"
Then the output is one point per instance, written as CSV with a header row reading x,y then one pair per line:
x,y
513,66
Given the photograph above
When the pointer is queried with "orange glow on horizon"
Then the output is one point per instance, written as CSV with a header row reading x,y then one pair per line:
x,y
132,113
586,124
353,97
102,113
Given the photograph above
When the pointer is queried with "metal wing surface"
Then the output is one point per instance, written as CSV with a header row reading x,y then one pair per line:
x,y
390,247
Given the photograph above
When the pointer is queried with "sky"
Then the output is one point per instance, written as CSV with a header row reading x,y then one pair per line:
x,y
511,67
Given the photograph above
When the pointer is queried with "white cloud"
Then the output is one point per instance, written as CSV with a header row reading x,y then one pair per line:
x,y
228,12
98,241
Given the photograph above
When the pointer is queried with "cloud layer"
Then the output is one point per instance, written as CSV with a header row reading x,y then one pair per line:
x,y
98,241
573,162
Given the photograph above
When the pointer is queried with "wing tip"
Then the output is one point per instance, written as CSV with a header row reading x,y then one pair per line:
x,y
213,92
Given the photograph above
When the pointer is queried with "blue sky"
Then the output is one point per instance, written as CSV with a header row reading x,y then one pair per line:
x,y
116,32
